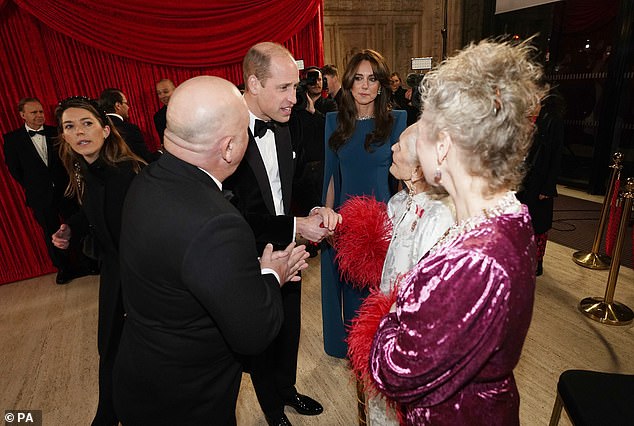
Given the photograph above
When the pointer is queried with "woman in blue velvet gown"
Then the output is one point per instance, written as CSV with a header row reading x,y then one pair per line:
x,y
359,138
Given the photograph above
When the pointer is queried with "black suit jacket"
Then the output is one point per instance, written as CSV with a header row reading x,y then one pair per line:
x,y
160,122
43,186
194,296
252,191
132,135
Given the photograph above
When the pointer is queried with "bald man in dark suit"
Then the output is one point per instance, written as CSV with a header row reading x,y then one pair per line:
x,y
195,294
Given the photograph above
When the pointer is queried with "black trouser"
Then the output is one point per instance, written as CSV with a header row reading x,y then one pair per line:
x,y
274,372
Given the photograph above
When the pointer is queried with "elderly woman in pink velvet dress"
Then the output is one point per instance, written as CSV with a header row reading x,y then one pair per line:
x,y
445,353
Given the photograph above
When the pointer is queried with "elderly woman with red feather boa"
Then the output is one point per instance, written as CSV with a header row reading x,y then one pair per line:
x,y
416,217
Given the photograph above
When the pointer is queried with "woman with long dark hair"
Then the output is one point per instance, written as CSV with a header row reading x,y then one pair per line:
x,y
101,168
359,138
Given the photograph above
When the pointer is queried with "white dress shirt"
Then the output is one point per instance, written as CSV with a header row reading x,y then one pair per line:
x,y
39,141
268,152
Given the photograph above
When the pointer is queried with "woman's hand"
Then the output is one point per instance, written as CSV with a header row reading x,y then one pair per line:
x,y
61,238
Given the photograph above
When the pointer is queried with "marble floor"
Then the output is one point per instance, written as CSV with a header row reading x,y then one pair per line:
x,y
48,352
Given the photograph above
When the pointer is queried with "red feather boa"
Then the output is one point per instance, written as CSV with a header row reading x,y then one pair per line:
x,y
362,331
361,336
361,241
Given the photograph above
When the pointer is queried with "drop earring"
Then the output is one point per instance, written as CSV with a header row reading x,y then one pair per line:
x,y
410,196
378,91
437,175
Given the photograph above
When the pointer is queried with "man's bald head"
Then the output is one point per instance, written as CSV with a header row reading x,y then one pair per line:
x,y
206,116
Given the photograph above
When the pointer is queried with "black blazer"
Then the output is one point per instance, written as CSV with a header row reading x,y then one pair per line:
x,y
252,191
194,297
160,122
132,135
100,214
43,186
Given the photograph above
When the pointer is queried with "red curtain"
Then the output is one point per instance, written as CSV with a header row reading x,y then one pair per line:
x,y
52,50
587,15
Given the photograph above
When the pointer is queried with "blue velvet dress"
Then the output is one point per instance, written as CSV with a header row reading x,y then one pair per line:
x,y
354,172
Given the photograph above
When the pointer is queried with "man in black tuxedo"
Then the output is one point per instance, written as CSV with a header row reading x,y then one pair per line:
x,y
116,106
164,89
194,291
262,192
34,163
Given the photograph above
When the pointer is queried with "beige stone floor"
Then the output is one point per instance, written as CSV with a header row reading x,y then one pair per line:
x,y
48,355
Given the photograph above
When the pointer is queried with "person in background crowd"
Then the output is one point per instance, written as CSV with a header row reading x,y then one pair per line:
x,y
164,89
359,139
195,294
34,163
397,96
102,168
540,184
445,352
315,91
331,74
116,105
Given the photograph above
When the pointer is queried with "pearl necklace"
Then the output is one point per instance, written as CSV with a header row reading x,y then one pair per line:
x,y
507,204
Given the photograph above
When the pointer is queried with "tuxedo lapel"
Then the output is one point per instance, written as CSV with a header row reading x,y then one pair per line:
x,y
51,150
254,159
285,163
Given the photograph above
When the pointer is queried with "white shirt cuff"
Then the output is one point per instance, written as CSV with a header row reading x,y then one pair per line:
x,y
271,271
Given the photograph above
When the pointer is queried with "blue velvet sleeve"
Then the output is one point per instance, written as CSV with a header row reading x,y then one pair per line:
x,y
331,163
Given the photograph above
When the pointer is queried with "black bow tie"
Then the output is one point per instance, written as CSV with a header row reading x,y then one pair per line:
x,y
262,126
228,194
36,132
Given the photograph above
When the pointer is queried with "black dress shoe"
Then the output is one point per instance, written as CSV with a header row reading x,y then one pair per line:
x,y
540,269
63,277
304,405
278,420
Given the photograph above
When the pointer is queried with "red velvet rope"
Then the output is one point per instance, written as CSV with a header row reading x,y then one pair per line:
x,y
614,220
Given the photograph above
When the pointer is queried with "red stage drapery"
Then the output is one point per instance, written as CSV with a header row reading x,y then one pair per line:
x,y
56,49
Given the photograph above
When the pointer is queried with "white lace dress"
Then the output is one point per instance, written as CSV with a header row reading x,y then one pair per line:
x,y
415,231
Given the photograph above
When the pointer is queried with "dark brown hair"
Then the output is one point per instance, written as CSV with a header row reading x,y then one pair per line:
x,y
114,149
347,116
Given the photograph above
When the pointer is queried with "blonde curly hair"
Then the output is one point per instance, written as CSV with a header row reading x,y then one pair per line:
x,y
484,98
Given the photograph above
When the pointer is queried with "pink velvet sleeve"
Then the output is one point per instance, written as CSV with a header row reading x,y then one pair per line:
x,y
450,319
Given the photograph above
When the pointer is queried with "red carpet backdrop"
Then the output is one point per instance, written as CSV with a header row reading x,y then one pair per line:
x,y
55,49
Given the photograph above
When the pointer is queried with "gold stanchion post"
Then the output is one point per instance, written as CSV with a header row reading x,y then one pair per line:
x,y
594,259
605,310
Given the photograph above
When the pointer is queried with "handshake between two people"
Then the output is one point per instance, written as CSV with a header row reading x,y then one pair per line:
x,y
319,224
287,263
